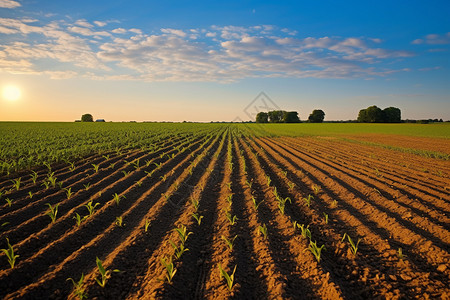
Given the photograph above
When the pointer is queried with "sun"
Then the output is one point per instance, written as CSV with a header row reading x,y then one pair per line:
x,y
11,93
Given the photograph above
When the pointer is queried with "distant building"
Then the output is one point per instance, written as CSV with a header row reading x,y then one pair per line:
x,y
100,120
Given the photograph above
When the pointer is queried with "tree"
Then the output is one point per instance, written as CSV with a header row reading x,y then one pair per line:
x,y
87,118
392,115
291,117
372,114
262,117
316,116
276,116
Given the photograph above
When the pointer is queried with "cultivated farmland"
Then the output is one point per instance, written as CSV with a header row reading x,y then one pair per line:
x,y
132,211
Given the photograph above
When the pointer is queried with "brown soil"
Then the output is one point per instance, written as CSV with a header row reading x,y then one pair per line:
x,y
387,199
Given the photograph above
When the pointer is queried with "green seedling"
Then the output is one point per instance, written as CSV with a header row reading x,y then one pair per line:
x,y
308,200
282,204
52,179
104,274
72,166
10,254
334,204
178,250
112,165
182,233
52,211
294,224
315,250
91,207
96,166
79,219
353,246
16,183
158,166
249,183
136,164
117,198
9,202
60,184
197,217
268,180
106,157
49,167
4,224
326,218
170,268
291,185
30,194
119,221
306,233
284,173
275,193
87,186
228,277
229,242
255,204
34,176
228,184
263,230
46,184
400,254
163,178
231,219
139,183
195,203
79,289
147,162
68,192
230,199
125,173
316,189
147,223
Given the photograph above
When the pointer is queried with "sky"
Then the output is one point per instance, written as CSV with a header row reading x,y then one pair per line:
x,y
222,60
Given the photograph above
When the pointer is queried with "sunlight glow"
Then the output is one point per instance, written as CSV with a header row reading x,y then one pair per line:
x,y
11,93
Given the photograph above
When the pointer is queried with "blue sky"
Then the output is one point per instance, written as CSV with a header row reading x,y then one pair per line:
x,y
207,60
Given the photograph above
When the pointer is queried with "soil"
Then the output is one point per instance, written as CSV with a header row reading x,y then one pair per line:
x,y
394,206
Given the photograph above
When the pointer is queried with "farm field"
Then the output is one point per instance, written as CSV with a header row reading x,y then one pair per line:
x,y
218,211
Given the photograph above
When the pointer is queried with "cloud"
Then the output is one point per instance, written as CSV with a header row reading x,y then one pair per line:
x,y
434,39
100,23
9,4
63,49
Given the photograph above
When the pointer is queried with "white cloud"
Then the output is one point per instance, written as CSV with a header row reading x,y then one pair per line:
x,y
100,23
218,53
434,39
174,32
9,4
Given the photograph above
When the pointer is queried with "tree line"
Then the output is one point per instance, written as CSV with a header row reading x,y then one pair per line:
x,y
372,114
282,116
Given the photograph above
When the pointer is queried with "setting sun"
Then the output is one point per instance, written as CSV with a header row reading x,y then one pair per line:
x,y
11,93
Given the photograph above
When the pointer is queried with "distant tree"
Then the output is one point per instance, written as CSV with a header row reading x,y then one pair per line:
x,y
392,115
276,116
87,118
291,117
316,116
262,117
372,114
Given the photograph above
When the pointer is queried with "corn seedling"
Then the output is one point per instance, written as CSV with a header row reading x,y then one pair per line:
x,y
147,223
33,177
52,211
282,204
68,192
49,167
228,184
163,178
30,194
231,219
79,219
46,184
315,250
10,254
183,234
249,183
268,180
400,254
316,189
326,218
8,201
16,183
294,224
284,173
229,242
178,250
255,204
117,198
291,185
158,166
136,164
353,246
197,217
78,288
125,173
106,157
87,186
334,204
51,179
72,166
308,200
91,207
119,221
112,165
170,268
139,183
306,233
60,184
96,166
263,230
195,203
229,199
228,277
104,274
